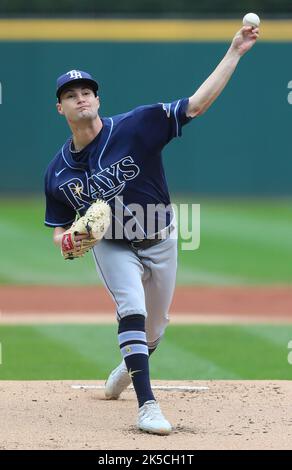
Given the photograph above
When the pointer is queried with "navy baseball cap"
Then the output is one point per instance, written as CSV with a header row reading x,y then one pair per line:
x,y
75,76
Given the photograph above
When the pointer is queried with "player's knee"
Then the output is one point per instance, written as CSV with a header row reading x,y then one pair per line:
x,y
132,316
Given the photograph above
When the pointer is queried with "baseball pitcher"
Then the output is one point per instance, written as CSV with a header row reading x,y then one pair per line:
x,y
100,188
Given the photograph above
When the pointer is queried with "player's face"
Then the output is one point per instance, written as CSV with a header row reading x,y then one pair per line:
x,y
78,104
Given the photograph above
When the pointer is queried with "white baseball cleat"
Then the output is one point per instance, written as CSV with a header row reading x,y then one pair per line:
x,y
117,382
150,419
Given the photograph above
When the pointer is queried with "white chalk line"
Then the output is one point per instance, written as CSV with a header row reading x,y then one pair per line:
x,y
184,388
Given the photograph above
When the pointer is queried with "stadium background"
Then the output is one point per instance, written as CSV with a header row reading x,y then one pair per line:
x,y
235,161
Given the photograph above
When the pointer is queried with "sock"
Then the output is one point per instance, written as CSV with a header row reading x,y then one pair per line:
x,y
151,351
133,345
152,345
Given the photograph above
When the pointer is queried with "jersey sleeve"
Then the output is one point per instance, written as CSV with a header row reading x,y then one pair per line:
x,y
159,123
57,213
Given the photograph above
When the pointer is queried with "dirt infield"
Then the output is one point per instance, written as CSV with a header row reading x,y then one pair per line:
x,y
230,415
263,302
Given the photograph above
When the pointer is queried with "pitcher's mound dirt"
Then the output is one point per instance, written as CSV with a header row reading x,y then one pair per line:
x,y
230,415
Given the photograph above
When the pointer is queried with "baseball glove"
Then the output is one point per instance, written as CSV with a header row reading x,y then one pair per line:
x,y
94,223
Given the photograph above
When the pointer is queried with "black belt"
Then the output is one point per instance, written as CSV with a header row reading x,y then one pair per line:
x,y
145,243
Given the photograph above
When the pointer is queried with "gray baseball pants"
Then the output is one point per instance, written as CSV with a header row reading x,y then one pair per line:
x,y
140,281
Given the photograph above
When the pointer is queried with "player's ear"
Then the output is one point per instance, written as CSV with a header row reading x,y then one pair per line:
x,y
98,101
59,108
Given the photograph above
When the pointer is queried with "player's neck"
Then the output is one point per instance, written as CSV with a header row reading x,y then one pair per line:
x,y
82,135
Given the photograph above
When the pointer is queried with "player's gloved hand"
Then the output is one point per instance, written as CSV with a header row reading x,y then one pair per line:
x,y
85,232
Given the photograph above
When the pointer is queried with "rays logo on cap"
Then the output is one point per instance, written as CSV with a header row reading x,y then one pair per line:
x,y
74,74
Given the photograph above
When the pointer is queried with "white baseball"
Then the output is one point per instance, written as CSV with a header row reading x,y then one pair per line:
x,y
251,19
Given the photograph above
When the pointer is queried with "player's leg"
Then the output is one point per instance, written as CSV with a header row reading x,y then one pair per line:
x,y
160,263
122,271
134,349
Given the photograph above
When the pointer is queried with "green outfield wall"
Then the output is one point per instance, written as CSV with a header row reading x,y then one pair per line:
x,y
241,146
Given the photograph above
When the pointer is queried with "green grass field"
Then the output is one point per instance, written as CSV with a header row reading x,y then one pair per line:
x,y
70,352
242,242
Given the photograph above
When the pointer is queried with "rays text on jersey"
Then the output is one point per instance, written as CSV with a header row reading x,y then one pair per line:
x,y
107,183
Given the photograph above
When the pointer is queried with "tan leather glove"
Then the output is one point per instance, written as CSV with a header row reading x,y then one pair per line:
x,y
94,223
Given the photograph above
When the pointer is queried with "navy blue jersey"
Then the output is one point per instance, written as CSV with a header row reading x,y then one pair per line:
x,y
122,165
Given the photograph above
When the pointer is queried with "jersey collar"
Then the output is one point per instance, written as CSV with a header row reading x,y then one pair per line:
x,y
90,152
